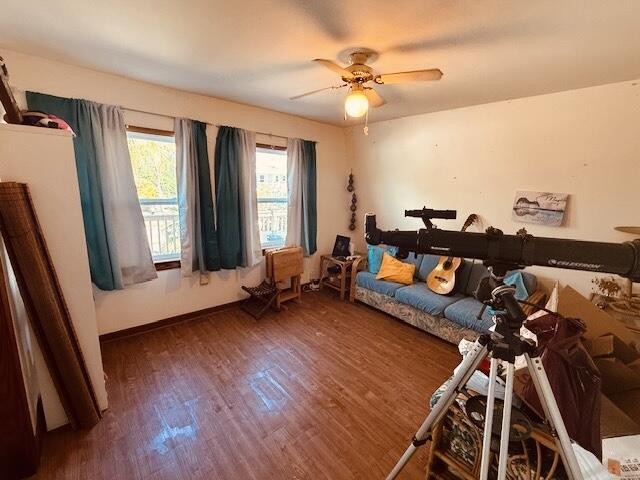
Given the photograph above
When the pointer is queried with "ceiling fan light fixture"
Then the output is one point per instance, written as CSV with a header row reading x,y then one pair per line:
x,y
358,74
356,104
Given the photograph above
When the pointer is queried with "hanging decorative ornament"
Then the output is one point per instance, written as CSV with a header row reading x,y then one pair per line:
x,y
354,201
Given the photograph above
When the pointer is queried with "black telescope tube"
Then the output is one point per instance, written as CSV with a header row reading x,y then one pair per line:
x,y
525,250
431,213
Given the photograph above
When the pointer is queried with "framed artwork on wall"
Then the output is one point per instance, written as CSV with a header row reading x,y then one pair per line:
x,y
541,208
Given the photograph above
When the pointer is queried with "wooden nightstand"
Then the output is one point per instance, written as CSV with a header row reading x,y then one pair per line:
x,y
340,281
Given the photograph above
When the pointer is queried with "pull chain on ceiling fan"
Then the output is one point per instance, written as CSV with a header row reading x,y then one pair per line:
x,y
358,74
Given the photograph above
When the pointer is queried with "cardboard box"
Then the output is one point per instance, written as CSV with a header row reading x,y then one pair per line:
x,y
635,366
598,323
614,422
617,376
628,402
609,343
611,346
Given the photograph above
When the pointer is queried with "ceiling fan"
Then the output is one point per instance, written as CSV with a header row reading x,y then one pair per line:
x,y
358,74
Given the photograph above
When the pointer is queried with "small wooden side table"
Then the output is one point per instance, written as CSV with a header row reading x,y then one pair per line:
x,y
341,282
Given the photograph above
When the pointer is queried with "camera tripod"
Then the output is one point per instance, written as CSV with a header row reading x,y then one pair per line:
x,y
504,344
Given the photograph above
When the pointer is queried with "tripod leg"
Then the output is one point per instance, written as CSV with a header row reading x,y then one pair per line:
x,y
550,407
506,423
488,421
439,410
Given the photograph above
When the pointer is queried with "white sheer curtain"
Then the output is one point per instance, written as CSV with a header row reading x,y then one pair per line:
x,y
252,251
129,253
294,188
188,204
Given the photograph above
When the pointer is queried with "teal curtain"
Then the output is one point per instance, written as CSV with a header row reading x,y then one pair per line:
x,y
209,236
76,114
309,198
228,197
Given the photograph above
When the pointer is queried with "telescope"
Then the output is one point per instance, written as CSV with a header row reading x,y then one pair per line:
x,y
497,249
501,253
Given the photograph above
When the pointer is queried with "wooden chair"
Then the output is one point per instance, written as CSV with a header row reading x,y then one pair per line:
x,y
260,298
283,282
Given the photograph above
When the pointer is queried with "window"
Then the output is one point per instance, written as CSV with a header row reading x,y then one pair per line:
x,y
153,158
271,170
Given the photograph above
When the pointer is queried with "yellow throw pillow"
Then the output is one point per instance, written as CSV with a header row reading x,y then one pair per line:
x,y
393,270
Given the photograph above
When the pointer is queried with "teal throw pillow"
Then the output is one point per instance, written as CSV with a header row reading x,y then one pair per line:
x,y
374,256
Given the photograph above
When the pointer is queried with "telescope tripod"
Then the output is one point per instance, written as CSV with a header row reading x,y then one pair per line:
x,y
504,344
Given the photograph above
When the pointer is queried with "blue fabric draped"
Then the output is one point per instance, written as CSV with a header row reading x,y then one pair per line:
x,y
209,236
76,114
228,197
309,198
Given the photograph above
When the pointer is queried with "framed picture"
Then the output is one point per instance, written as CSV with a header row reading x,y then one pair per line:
x,y
341,247
541,208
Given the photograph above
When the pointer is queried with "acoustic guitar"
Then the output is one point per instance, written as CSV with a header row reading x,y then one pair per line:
x,y
442,278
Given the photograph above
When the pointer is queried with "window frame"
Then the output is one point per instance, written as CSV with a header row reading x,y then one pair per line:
x,y
160,265
281,149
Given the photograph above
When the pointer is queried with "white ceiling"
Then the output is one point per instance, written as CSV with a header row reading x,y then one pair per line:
x,y
259,52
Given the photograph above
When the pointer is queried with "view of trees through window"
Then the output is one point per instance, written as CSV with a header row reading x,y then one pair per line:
x,y
271,186
153,159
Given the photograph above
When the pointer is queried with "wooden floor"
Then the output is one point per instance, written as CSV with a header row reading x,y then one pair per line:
x,y
324,390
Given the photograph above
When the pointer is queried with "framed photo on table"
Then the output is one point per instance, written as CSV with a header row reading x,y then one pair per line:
x,y
341,247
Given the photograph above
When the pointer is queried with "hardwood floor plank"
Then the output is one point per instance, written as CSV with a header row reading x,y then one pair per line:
x,y
322,390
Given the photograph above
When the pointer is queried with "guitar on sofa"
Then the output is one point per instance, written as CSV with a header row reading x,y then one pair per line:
x,y
442,278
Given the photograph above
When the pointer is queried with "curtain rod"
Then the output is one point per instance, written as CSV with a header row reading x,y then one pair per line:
x,y
208,123
21,90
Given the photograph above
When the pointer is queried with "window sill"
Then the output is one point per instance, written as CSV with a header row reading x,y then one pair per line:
x,y
167,265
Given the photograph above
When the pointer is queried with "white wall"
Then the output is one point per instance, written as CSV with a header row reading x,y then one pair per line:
x,y
582,142
170,294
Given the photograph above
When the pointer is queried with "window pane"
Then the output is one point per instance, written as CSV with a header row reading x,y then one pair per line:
x,y
271,172
153,158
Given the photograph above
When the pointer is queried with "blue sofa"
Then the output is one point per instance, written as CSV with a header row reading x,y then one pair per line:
x,y
450,317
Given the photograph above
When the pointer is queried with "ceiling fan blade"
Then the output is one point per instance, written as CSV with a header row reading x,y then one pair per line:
x,y
333,66
332,87
413,76
375,100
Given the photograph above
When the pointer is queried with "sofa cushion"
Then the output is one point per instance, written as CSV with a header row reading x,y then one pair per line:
x,y
429,262
465,312
471,275
419,296
374,255
414,259
368,280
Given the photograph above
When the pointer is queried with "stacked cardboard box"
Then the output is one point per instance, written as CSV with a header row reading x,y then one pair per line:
x,y
616,352
613,348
